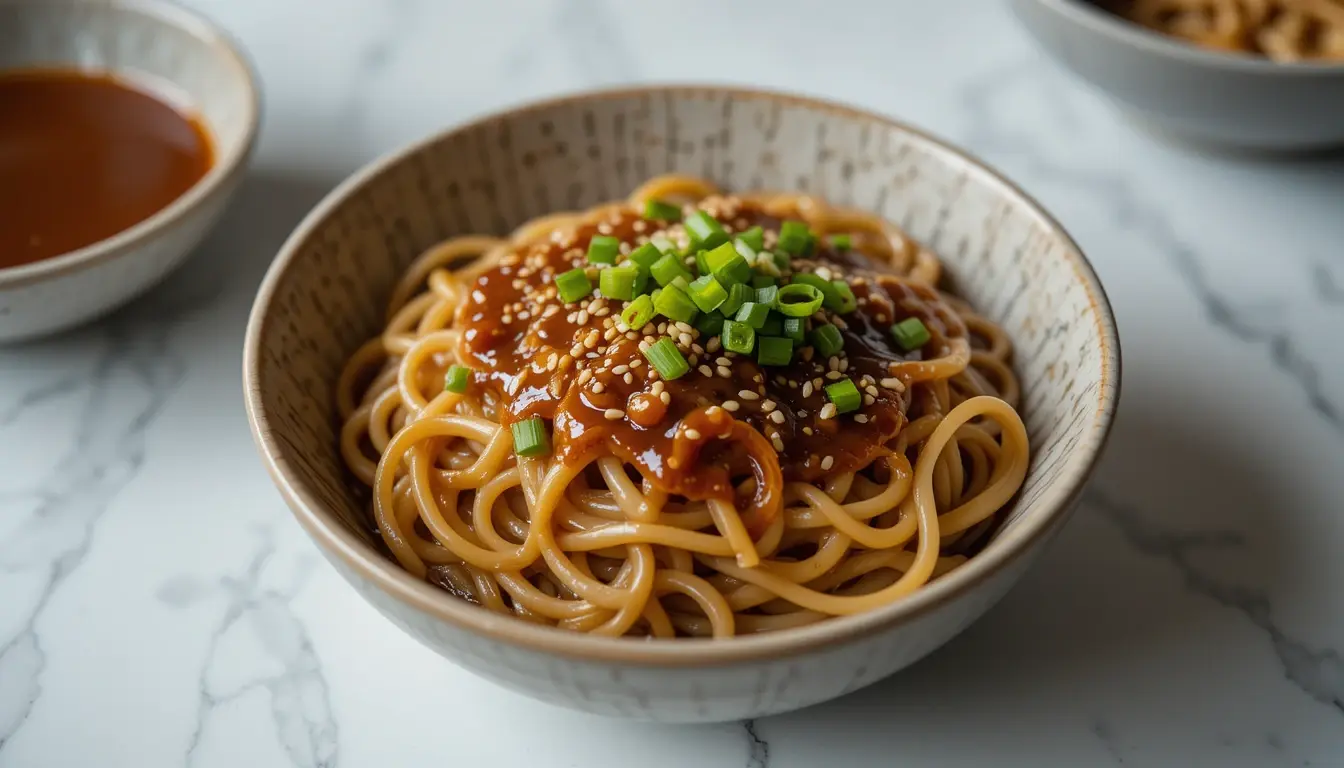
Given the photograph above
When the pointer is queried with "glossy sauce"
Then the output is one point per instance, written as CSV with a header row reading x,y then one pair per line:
x,y
83,157
511,337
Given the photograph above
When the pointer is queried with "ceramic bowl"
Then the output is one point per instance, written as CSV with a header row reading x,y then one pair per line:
x,y
1177,90
167,50
327,289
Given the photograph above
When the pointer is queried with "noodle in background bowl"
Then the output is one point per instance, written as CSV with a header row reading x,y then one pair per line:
x,y
326,293
1224,100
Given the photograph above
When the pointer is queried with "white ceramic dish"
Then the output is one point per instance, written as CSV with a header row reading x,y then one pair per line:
x,y
325,292
166,49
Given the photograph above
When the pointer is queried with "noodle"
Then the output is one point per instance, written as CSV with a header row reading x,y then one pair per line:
x,y
1283,30
732,498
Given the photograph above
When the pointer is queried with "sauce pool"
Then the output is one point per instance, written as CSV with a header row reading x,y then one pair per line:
x,y
84,156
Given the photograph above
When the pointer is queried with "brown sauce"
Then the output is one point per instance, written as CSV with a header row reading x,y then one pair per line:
x,y
84,156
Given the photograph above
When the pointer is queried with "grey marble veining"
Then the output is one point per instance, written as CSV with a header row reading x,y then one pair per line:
x,y
159,607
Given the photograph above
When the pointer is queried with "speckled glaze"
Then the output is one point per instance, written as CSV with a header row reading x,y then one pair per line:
x,y
1180,91
175,54
326,290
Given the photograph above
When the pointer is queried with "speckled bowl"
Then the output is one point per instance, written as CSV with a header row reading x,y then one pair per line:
x,y
1176,90
167,50
326,291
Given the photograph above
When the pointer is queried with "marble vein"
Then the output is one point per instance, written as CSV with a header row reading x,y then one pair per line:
x,y
300,698
1249,320
1318,672
758,749
123,393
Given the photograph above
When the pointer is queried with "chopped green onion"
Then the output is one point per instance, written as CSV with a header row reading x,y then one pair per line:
x,y
840,242
738,295
727,265
664,356
646,255
707,294
669,268
844,301
845,396
706,232
681,281
781,259
826,340
709,324
663,244
701,265
798,299
773,325
765,294
745,250
910,333
573,285
774,350
456,379
752,314
673,303
762,281
530,438
753,238
795,329
829,296
602,249
738,337
638,313
794,237
618,282
657,210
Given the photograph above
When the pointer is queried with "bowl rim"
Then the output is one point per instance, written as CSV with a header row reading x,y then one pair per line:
x,y
224,169
1088,15
338,541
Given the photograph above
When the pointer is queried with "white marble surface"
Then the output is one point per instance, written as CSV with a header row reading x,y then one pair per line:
x,y
158,606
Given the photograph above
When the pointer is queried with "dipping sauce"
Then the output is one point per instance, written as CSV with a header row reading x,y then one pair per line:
x,y
84,156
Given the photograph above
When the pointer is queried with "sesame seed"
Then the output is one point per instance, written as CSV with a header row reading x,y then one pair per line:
x,y
747,394
891,382
714,345
807,430
629,378
869,400
657,387
777,417
870,389
731,405
723,361
685,339
576,350
584,376
807,389
692,434
618,370
598,387
636,363
666,397
861,418
775,441
614,414
724,372
828,462
705,371
768,406
644,344
833,363
827,411
684,327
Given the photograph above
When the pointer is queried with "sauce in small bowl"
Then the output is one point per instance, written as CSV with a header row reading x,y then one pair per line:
x,y
84,156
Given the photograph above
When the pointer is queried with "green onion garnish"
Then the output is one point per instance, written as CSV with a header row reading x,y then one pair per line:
x,y
781,260
773,325
657,210
910,333
530,438
826,340
738,337
638,313
765,294
752,314
795,329
798,299
709,324
844,301
774,350
762,281
664,356
682,281
619,282
646,255
738,295
669,268
673,303
827,289
701,265
840,242
456,379
602,249
794,237
706,232
745,250
573,285
845,396
727,265
754,238
707,294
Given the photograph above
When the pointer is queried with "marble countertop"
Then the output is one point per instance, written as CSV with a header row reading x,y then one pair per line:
x,y
159,607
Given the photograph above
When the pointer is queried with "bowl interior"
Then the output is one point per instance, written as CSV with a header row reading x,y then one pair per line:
x,y
326,293
155,44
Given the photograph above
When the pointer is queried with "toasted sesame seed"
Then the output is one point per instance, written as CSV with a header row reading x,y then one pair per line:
x,y
666,397
768,406
598,387
891,382
714,345
777,417
723,361
861,418
644,344
613,414
747,394
618,370
636,363
807,430
833,363
833,375
684,327
731,405
685,339
584,376
827,411
870,389
705,370
629,378
692,434
657,387
807,387
724,372
869,400
828,462
775,441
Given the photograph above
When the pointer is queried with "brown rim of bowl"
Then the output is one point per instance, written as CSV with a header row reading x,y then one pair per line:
x,y
1086,14
421,596
138,234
